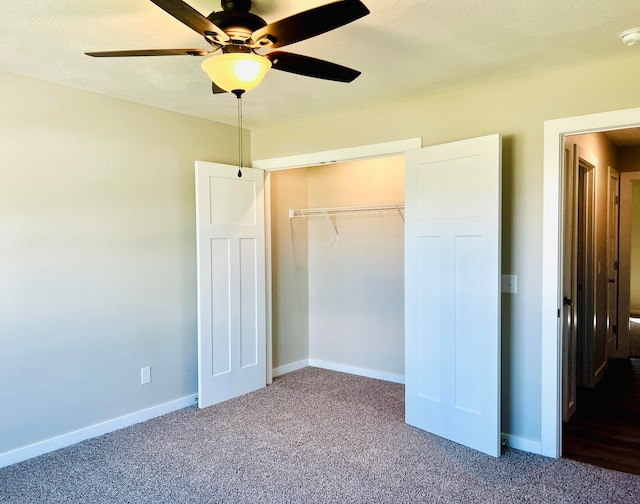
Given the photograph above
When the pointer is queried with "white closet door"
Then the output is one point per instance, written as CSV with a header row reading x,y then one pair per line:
x,y
452,291
231,282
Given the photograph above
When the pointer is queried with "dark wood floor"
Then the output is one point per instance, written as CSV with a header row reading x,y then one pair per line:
x,y
605,430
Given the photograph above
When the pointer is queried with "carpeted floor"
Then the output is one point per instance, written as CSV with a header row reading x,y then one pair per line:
x,y
314,436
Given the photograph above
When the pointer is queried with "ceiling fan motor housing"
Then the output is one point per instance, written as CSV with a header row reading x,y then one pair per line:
x,y
238,25
236,5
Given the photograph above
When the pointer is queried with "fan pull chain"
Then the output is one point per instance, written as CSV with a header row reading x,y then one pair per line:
x,y
238,93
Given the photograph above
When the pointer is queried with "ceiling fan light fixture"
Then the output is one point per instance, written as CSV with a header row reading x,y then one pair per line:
x,y
237,70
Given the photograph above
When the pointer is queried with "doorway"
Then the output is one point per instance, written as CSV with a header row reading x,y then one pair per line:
x,y
337,267
289,351
555,132
297,356
597,384
598,350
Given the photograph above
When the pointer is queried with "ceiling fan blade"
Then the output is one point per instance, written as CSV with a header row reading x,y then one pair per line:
x,y
216,89
149,52
312,22
186,14
311,67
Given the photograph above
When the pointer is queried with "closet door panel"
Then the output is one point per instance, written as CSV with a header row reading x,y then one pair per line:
x,y
231,282
452,291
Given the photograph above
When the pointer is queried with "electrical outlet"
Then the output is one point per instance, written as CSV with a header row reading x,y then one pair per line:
x,y
145,375
509,284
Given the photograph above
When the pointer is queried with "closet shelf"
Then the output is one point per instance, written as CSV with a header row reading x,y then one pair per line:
x,y
351,211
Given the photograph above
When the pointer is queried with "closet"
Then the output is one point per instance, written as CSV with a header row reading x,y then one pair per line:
x,y
337,258
337,272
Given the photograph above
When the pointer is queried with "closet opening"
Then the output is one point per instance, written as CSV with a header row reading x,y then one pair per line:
x,y
337,267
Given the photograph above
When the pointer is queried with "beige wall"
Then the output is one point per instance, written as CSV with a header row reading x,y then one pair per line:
x,y
290,268
97,256
356,282
517,109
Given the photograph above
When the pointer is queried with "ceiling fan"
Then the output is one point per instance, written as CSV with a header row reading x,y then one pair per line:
x,y
236,33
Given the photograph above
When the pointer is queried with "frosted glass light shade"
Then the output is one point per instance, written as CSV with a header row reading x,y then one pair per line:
x,y
232,71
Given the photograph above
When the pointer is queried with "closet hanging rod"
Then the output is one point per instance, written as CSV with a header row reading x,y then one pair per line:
x,y
303,213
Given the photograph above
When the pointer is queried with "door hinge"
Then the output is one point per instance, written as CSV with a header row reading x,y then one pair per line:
x,y
615,329
617,200
615,265
558,312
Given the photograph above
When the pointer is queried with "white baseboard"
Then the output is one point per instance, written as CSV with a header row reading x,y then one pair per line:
x,y
369,373
334,366
288,368
71,438
524,444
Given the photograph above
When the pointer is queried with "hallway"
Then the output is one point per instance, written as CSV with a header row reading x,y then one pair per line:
x,y
605,430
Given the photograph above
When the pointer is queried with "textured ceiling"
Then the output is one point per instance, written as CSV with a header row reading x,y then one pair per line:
x,y
628,137
403,47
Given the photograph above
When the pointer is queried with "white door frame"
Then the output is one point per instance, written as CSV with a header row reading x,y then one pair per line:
x,y
339,156
302,161
551,370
